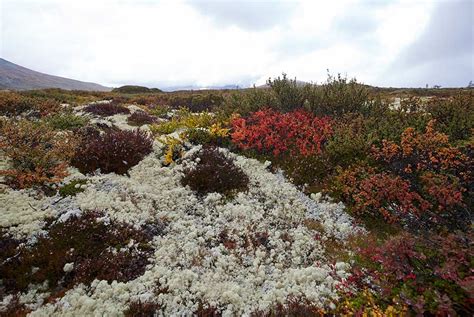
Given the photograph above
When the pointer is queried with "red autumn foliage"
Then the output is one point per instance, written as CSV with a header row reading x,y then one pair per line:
x,y
431,275
383,194
269,131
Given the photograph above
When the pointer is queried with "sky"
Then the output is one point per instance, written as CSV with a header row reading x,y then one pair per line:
x,y
179,43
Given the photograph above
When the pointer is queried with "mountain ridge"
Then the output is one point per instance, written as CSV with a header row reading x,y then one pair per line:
x,y
16,77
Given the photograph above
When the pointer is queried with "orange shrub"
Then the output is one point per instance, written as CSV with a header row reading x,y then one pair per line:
x,y
38,154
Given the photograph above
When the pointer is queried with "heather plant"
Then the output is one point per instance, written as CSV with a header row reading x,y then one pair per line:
x,y
114,151
214,172
139,118
38,155
66,121
106,109
78,250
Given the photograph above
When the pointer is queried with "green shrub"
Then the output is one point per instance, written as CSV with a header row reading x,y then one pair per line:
x,y
248,101
66,121
350,142
338,96
454,116
289,94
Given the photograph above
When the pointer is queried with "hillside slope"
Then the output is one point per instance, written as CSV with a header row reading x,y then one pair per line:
x,y
13,76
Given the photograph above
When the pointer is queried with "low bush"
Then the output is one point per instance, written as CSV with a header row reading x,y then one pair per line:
x,y
214,172
288,92
184,119
351,142
114,151
14,104
369,193
428,275
247,101
215,135
78,250
66,121
38,154
338,96
268,131
454,116
196,102
139,118
106,109
422,181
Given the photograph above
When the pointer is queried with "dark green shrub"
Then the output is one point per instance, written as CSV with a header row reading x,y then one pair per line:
x,y
114,151
215,172
350,142
248,101
338,96
288,92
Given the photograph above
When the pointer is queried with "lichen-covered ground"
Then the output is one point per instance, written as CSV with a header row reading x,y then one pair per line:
x,y
237,256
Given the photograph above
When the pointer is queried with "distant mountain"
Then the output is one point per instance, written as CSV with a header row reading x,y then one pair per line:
x,y
16,77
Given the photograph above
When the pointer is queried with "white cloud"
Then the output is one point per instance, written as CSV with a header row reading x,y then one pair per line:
x,y
173,43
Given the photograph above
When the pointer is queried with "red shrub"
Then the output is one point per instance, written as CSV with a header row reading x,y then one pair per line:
x,y
376,194
268,131
419,152
114,151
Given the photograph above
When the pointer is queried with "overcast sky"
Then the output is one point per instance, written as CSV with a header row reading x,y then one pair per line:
x,y
204,43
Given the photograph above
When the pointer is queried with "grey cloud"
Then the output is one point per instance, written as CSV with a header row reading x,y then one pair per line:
x,y
249,15
445,50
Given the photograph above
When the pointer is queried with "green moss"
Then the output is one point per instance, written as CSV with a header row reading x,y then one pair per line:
x,y
72,188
